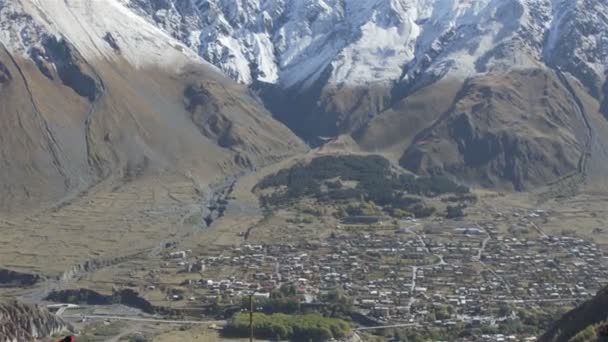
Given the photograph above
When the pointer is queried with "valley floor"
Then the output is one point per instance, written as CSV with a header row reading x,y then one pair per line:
x,y
508,257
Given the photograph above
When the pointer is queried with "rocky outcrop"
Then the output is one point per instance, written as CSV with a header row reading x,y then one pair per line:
x,y
5,74
93,265
206,115
21,322
17,279
127,297
236,123
69,67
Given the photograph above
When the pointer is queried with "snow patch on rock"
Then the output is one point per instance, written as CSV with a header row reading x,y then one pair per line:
x,y
85,23
291,42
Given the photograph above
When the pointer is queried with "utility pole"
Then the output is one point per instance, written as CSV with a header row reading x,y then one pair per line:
x,y
251,318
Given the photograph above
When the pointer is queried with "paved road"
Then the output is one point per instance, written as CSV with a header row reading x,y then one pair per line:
x,y
415,269
61,311
485,241
405,325
412,299
138,319
547,300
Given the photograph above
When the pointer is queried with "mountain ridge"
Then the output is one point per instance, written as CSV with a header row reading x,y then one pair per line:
x,y
590,314
352,68
355,68
404,37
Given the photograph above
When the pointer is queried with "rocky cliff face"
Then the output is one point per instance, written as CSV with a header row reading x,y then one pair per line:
x,y
21,322
292,43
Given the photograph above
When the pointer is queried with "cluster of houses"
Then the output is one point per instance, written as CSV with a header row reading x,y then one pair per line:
x,y
548,268
441,276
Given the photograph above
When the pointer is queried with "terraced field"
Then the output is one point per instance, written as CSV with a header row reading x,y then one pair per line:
x,y
107,223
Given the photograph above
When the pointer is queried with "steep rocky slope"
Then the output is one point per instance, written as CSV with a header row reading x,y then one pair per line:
x,y
22,322
342,44
518,127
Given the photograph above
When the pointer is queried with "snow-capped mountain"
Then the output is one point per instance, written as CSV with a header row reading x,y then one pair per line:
x,y
290,42
373,69
393,74
97,29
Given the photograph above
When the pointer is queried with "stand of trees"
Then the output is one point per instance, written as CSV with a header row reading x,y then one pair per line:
x,y
283,300
312,327
376,183
454,211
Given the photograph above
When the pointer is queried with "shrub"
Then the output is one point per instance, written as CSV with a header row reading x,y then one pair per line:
x,y
454,212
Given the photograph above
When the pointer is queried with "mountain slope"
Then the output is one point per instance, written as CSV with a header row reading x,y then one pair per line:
x,y
477,141
86,97
291,42
116,139
591,313
391,73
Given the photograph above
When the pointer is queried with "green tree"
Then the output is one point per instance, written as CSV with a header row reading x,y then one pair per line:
x,y
586,335
454,212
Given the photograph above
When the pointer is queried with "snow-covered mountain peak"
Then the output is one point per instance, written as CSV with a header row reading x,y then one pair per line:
x,y
295,43
292,42
98,29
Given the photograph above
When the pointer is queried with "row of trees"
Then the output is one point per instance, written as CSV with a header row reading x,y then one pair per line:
x,y
311,327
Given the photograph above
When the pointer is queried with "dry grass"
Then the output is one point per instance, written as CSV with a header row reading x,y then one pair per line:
x,y
196,334
103,225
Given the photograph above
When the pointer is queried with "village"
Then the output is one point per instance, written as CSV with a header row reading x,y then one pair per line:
x,y
414,273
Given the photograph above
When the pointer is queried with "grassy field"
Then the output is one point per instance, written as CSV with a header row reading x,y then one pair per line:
x,y
127,331
584,215
105,224
196,335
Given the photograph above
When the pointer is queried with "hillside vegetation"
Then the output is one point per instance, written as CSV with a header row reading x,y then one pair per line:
x,y
584,323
